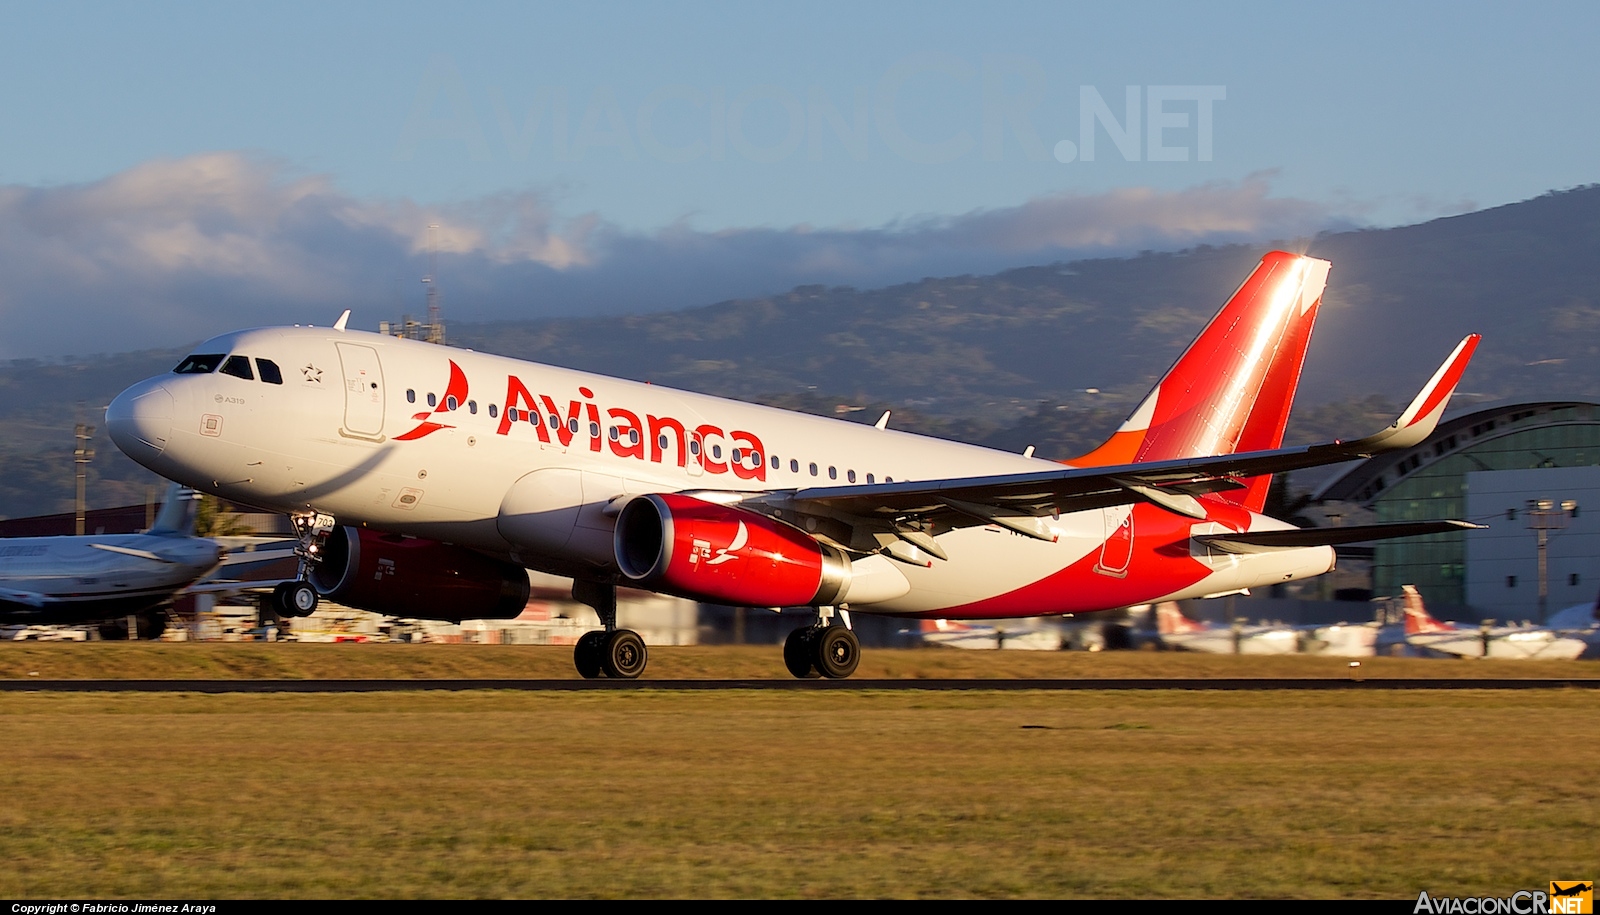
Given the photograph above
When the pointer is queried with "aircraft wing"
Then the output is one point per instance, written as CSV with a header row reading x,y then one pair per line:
x,y
1018,501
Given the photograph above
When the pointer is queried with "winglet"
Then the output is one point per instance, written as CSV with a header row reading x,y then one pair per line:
x,y
1422,416
339,324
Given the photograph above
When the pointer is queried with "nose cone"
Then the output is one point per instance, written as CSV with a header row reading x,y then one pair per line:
x,y
140,420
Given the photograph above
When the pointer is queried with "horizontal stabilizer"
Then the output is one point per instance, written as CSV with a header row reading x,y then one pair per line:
x,y
1263,541
30,598
130,551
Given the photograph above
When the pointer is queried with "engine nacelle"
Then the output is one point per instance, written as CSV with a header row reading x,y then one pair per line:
x,y
420,579
727,555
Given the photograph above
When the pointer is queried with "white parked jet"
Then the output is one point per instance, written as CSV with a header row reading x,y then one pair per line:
x,y
424,480
69,580
1425,632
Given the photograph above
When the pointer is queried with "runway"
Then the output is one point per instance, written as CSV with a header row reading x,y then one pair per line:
x,y
1237,684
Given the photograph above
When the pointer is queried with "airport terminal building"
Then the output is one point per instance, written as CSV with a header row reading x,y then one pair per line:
x,y
1524,470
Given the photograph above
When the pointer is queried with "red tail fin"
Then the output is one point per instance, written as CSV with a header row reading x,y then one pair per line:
x,y
1171,621
1232,389
1418,620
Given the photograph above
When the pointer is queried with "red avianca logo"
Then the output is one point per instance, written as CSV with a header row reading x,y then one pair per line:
x,y
455,394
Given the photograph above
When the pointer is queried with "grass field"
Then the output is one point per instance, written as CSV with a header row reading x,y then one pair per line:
x,y
292,660
838,794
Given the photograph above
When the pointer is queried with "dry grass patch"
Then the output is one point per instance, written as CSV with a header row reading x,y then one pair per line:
x,y
290,660
728,794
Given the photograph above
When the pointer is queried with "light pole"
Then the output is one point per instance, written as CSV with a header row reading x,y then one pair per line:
x,y
81,456
1544,516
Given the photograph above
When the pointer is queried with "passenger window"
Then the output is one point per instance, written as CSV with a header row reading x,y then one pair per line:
x,y
450,403
493,411
833,473
633,436
238,367
813,469
411,395
716,452
869,478
694,448
775,462
432,400
269,371
850,475
794,466
472,407
199,365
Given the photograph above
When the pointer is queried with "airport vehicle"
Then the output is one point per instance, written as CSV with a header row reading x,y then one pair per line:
x,y
1486,641
106,578
423,481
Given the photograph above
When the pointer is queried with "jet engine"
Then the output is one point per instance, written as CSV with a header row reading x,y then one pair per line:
x,y
727,555
421,579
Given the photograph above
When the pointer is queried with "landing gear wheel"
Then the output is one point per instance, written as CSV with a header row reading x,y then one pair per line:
x,y
623,655
797,653
294,598
586,654
836,652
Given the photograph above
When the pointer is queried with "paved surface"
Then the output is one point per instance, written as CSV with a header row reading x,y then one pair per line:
x,y
383,686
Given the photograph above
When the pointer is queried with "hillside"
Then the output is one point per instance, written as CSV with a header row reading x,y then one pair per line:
x,y
1052,356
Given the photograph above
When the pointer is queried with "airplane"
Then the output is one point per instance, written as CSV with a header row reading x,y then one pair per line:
x,y
1178,631
1426,633
71,580
1030,635
424,481
1340,640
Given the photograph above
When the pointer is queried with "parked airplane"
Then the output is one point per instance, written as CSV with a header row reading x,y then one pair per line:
x,y
452,472
1347,640
69,580
1425,632
1031,635
1178,631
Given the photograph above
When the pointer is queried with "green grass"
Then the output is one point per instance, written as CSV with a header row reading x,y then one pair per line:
x,y
752,794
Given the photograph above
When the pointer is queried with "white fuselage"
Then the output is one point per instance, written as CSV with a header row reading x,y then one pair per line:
x,y
414,438
78,578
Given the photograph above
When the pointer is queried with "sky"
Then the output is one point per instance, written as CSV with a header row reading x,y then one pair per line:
x,y
174,170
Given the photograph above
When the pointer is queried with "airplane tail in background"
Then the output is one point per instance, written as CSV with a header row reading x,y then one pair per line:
x,y
1171,621
1418,620
1232,388
177,515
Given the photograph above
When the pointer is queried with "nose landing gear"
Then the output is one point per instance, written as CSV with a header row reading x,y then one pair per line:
x,y
299,597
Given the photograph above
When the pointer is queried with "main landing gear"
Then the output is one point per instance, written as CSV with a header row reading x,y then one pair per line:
x,y
822,649
298,597
612,652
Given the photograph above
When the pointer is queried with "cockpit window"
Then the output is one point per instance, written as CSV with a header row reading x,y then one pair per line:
x,y
199,365
269,371
238,367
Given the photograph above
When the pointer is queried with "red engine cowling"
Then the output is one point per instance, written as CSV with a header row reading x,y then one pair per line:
x,y
420,579
725,555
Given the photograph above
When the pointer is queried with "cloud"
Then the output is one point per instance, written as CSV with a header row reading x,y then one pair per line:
x,y
174,250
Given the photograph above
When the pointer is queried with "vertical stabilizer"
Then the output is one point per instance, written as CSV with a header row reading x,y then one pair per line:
x,y
1232,388
177,516
1418,619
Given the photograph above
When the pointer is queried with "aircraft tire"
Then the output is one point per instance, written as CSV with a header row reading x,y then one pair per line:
x,y
836,652
623,655
797,653
586,654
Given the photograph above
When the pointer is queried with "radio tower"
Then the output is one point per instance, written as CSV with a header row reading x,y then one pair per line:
x,y
435,322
